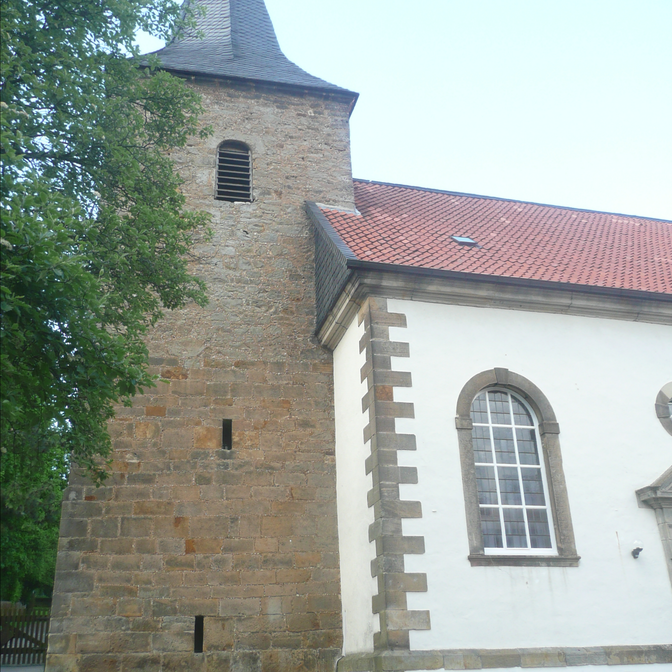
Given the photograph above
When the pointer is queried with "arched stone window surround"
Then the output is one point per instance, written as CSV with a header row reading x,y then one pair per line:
x,y
233,172
663,407
549,431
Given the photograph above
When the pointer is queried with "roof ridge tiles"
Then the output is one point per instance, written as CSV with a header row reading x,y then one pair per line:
x,y
508,200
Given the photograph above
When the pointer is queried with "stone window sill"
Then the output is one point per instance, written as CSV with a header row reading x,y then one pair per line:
x,y
482,560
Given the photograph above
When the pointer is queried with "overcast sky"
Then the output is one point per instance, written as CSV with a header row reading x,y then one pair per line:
x,y
567,102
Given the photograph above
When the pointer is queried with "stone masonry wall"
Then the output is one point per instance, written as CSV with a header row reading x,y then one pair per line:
x,y
245,538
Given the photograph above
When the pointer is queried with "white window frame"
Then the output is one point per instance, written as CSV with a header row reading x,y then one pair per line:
x,y
527,550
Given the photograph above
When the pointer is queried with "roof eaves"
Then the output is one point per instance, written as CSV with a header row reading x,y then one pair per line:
x,y
615,292
331,92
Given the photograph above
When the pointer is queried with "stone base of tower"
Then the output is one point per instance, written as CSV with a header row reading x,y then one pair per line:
x,y
276,660
242,540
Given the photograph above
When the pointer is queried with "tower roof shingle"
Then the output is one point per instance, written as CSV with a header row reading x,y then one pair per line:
x,y
235,39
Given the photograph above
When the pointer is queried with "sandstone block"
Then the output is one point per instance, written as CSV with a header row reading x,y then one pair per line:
x,y
202,545
158,411
209,438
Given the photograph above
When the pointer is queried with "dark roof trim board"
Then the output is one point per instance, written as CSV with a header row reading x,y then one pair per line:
x,y
356,264
235,40
381,280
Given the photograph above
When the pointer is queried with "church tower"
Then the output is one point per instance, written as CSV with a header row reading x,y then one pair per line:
x,y
213,544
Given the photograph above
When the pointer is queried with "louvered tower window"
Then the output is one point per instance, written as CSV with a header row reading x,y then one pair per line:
x,y
234,172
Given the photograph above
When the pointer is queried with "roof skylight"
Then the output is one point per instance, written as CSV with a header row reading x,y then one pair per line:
x,y
464,240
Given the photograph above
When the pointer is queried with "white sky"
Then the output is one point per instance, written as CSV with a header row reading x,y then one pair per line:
x,y
567,102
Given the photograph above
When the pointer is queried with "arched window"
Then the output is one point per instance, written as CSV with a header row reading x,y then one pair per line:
x,y
234,172
516,499
510,475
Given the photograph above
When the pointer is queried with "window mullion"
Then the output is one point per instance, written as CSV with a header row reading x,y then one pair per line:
x,y
500,506
519,472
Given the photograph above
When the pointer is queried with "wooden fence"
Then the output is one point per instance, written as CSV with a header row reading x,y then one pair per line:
x,y
23,634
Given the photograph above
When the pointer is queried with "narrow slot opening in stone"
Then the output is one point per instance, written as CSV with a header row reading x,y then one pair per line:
x,y
198,635
227,434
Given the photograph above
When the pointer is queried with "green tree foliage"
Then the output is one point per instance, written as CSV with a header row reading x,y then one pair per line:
x,y
95,240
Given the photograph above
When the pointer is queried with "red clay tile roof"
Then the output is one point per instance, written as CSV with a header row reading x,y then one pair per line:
x,y
412,227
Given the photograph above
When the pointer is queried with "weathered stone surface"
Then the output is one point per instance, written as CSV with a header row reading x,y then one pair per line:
x,y
244,537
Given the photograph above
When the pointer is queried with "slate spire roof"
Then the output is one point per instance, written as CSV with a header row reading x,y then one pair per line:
x,y
237,41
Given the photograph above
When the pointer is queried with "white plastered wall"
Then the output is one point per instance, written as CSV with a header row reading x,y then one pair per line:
x,y
601,377
352,486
